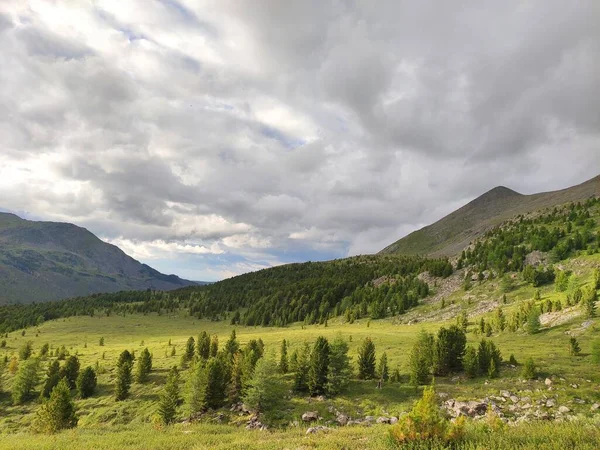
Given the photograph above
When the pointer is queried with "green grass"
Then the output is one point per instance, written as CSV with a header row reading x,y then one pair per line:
x,y
104,423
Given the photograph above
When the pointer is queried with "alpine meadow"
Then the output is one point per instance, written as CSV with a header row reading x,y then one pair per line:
x,y
328,170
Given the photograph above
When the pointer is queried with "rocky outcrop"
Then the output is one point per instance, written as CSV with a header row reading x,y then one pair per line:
x,y
310,416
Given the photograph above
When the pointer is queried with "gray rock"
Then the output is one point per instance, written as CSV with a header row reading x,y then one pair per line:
x,y
563,409
514,399
550,403
505,394
342,419
579,401
393,420
595,407
575,386
310,416
318,428
548,382
369,419
383,420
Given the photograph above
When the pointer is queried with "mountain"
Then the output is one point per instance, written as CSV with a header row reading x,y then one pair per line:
x,y
42,261
450,235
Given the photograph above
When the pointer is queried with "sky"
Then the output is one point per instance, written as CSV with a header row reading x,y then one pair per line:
x,y
212,138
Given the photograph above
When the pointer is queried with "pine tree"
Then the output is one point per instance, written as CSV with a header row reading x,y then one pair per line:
x,y
301,375
448,350
529,371
26,351
470,362
421,358
25,381
52,379
574,348
340,370
463,321
319,363
196,389
70,371
596,285
366,360
123,380
265,389
125,357
590,299
232,345
203,347
395,378
101,342
236,385
58,412
214,395
492,370
13,366
169,398
533,321
144,366
190,347
500,319
86,383
283,359
214,346
382,369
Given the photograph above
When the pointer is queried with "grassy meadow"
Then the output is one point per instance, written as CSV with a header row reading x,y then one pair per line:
x,y
105,423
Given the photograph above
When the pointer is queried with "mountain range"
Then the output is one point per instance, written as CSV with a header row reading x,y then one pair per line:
x,y
41,261
450,235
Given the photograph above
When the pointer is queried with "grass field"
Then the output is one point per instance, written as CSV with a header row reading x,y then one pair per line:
x,y
104,423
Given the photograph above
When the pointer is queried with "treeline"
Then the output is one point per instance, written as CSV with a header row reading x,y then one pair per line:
x,y
309,292
562,232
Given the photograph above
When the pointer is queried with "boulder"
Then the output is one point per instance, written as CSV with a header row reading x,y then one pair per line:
x,y
548,382
383,420
595,407
505,394
310,416
255,424
342,419
514,399
550,403
563,409
393,420
469,409
318,428
369,419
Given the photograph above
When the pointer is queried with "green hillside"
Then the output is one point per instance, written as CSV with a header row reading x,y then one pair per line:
x,y
42,261
450,235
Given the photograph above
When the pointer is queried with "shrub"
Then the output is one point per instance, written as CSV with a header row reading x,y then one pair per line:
x,y
574,348
86,383
471,362
427,423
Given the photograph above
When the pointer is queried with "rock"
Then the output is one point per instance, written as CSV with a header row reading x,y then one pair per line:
x,y
383,420
443,395
550,403
579,401
575,386
514,399
320,398
469,409
369,419
393,420
255,424
342,419
548,382
310,416
527,406
505,394
595,407
563,409
525,399
313,430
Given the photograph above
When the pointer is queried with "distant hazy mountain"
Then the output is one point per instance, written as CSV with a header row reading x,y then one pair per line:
x,y
452,234
42,261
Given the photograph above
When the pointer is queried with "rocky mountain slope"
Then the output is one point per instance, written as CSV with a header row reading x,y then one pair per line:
x,y
450,235
42,261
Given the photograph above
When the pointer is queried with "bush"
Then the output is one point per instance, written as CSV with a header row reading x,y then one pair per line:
x,y
574,348
427,423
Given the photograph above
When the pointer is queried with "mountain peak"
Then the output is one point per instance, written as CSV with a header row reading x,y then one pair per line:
x,y
497,193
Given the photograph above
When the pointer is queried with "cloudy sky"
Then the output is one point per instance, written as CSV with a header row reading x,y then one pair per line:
x,y
210,138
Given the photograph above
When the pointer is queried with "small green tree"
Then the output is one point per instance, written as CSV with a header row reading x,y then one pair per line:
x,y
86,382
70,371
52,379
283,359
265,389
500,319
383,371
301,375
590,299
26,351
125,357
470,362
596,282
421,358
101,341
144,366
58,412
236,385
190,347
340,369
214,346
232,345
529,371
318,366
533,321
203,347
366,360
25,381
574,348
123,380
169,398
216,382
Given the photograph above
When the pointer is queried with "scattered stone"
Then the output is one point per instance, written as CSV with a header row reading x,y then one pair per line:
x,y
383,420
369,419
443,395
563,409
575,386
525,399
514,399
550,403
548,382
595,407
313,430
579,401
393,420
505,394
342,419
255,424
470,409
310,416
